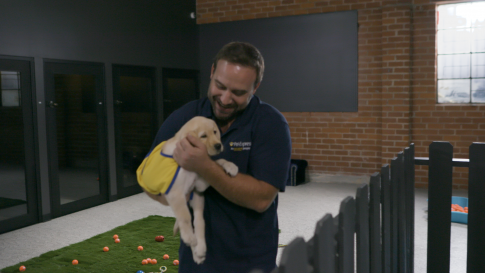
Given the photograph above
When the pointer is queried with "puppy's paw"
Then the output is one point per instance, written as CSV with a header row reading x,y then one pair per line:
x,y
198,253
229,167
188,238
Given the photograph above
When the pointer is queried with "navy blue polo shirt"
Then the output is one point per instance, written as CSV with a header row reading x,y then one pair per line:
x,y
259,143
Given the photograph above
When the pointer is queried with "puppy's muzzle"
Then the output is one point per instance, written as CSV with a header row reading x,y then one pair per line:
x,y
218,147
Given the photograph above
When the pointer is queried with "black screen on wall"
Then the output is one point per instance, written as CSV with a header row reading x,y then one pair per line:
x,y
311,60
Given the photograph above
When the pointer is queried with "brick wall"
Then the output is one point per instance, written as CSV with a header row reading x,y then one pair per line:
x,y
397,89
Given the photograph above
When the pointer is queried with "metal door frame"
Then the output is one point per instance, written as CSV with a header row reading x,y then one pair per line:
x,y
29,115
133,71
51,67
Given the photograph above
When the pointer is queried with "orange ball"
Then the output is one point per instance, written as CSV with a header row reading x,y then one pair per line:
x,y
140,248
105,249
115,236
149,260
175,262
22,268
166,257
117,240
144,262
75,262
154,261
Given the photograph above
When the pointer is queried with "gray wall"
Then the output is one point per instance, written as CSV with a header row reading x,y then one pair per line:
x,y
158,33
311,59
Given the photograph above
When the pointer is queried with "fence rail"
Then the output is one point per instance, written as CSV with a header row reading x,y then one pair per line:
x,y
382,219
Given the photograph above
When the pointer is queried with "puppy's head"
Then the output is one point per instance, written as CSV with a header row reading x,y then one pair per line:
x,y
206,130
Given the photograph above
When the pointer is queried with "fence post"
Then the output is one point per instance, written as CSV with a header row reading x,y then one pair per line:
x,y
386,219
323,253
294,257
476,209
346,230
439,206
402,219
409,182
362,228
375,223
395,215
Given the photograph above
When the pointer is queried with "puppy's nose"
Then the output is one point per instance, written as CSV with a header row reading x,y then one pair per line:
x,y
218,146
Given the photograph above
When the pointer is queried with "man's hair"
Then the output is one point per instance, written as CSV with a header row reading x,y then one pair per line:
x,y
244,54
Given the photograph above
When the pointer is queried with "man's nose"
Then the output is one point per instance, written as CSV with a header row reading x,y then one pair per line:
x,y
226,98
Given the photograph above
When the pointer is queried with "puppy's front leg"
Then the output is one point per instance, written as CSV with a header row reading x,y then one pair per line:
x,y
197,203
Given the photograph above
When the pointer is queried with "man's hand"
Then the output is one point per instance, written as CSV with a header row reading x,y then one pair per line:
x,y
191,154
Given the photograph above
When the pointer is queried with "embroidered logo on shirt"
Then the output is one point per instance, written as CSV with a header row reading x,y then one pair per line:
x,y
240,146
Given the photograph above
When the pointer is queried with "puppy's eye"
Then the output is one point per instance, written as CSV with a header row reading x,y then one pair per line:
x,y
215,132
203,136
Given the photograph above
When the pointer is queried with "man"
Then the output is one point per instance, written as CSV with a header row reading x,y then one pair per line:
x,y
240,212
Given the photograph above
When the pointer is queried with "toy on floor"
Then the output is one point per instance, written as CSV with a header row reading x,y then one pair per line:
x,y
175,262
456,207
22,268
165,257
140,248
105,249
459,209
75,262
159,238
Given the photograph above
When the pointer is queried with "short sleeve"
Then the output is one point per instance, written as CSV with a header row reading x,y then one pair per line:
x,y
270,149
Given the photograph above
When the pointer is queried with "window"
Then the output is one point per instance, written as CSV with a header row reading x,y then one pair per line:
x,y
461,53
10,88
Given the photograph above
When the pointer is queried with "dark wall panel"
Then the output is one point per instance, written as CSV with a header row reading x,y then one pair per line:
x,y
311,60
142,32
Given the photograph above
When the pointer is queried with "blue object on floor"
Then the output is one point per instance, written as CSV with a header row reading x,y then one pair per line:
x,y
456,216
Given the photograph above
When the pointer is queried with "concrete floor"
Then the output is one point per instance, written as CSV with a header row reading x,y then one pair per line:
x,y
299,209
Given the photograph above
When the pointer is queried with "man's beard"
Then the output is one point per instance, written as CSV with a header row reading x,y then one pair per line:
x,y
224,120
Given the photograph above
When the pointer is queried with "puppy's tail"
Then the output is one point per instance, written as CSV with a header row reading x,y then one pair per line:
x,y
176,228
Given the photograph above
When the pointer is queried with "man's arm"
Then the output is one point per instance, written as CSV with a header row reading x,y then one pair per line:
x,y
243,190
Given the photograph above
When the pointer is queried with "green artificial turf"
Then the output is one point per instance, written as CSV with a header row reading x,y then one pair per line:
x,y
121,257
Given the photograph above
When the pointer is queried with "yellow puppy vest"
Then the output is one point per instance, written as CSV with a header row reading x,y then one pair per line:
x,y
157,172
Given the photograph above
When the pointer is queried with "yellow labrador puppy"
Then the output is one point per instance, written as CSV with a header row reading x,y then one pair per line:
x,y
166,182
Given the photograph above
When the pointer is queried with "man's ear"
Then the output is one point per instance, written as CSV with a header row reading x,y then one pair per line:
x,y
256,87
212,71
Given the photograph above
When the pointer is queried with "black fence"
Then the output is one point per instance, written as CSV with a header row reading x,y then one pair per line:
x,y
374,232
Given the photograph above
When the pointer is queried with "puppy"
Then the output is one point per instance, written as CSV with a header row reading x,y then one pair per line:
x,y
166,182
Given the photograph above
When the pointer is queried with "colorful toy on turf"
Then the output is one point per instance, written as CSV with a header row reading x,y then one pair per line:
x,y
166,182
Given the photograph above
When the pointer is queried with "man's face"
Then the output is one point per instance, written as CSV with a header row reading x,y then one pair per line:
x,y
230,89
